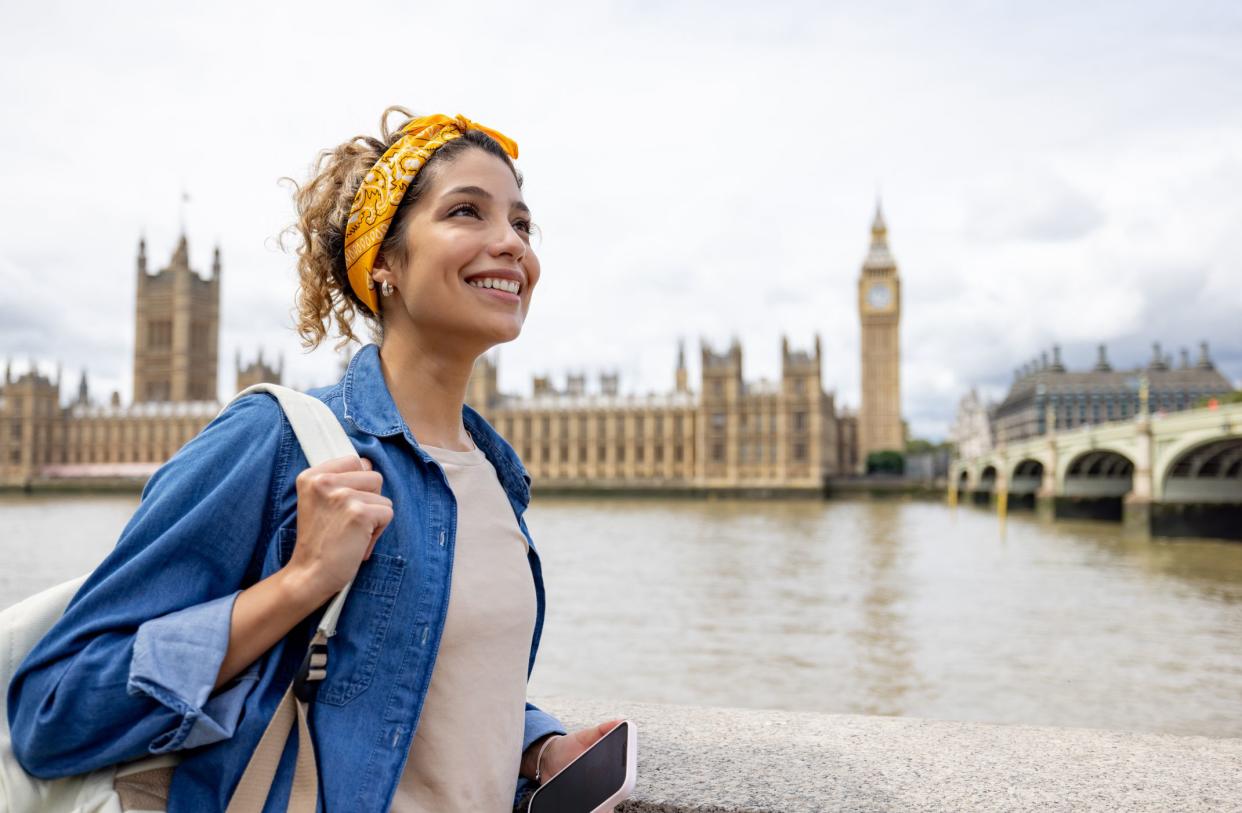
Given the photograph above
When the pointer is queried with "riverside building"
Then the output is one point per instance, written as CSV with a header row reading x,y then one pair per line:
x,y
1045,390
729,434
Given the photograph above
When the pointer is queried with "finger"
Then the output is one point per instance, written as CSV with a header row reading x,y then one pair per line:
x,y
366,464
339,464
369,498
360,514
358,480
375,535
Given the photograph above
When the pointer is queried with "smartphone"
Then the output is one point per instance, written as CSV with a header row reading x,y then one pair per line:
x,y
600,777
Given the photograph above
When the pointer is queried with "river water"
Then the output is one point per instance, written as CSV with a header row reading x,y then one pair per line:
x,y
867,607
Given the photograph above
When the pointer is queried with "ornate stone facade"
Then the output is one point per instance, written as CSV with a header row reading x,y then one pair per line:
x,y
732,434
782,435
971,432
174,396
176,327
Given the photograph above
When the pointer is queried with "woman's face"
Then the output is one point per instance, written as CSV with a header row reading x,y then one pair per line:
x,y
468,250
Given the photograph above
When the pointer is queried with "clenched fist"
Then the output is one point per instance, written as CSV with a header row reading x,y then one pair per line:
x,y
340,515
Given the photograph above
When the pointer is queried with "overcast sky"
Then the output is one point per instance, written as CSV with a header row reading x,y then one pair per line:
x,y
1050,174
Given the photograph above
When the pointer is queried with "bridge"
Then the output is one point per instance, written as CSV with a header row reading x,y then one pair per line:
x,y
1178,474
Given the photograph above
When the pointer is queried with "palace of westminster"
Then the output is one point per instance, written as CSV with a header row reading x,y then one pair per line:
x,y
729,435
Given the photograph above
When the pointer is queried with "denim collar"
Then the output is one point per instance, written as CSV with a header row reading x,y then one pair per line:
x,y
369,406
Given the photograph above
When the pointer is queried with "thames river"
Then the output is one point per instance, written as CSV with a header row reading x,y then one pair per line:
x,y
863,607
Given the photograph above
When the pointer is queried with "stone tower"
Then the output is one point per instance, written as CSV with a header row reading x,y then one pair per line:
x,y
719,409
176,329
804,431
257,371
879,309
682,377
482,391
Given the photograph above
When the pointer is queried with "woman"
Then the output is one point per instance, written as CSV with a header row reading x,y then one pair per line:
x,y
188,634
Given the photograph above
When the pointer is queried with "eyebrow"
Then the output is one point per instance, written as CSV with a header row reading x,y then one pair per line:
x,y
479,191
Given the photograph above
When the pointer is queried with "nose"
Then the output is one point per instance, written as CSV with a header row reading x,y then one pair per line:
x,y
508,241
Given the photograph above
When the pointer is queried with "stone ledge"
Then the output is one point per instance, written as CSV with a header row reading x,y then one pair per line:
x,y
720,760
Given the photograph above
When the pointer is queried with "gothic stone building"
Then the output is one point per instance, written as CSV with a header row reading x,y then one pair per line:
x,y
177,317
731,434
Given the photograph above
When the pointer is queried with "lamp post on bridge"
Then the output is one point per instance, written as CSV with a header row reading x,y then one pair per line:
x,y
1136,506
1045,497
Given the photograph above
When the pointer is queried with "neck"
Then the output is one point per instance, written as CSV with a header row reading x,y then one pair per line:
x,y
429,388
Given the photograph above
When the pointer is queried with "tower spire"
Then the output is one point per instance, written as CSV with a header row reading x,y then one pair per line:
x,y
879,257
185,198
879,229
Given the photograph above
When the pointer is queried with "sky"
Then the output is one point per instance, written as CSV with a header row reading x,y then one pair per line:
x,y
1053,173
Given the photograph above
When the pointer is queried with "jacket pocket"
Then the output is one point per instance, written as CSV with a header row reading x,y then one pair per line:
x,y
353,653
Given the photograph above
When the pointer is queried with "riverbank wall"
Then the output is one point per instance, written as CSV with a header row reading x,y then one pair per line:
x,y
726,760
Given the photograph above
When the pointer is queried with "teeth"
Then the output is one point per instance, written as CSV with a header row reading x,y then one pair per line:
x,y
512,286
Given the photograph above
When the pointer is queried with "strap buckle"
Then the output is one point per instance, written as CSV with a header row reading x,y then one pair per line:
x,y
314,669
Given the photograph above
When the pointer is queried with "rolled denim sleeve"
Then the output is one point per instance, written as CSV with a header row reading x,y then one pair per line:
x,y
130,667
176,660
539,723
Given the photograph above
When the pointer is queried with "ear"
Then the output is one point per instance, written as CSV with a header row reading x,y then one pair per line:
x,y
380,271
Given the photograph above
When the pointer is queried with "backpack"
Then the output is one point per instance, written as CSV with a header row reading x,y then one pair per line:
x,y
142,785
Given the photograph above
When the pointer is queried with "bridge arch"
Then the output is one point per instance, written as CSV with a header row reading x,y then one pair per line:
x,y
1098,473
1205,472
1027,476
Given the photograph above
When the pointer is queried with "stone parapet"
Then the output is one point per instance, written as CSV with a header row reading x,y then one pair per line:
x,y
723,760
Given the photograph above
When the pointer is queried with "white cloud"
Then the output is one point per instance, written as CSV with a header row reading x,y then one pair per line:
x,y
1050,173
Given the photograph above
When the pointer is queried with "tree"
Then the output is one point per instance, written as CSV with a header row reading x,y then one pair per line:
x,y
886,462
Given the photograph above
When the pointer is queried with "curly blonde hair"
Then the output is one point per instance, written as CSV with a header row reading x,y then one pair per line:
x,y
323,202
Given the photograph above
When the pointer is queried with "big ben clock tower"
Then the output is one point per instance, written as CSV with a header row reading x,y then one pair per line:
x,y
879,310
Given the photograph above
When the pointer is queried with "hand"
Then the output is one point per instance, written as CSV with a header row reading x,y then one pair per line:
x,y
340,515
564,748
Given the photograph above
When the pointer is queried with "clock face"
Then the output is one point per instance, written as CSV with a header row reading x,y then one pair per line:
x,y
879,295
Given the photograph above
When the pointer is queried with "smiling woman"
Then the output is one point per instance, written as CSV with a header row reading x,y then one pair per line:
x,y
239,542
325,202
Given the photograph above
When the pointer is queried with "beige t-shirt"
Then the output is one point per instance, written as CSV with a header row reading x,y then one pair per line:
x,y
466,751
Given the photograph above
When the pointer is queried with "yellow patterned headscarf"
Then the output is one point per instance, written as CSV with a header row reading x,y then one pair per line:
x,y
384,186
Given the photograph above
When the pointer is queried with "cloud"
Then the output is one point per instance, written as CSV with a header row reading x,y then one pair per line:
x,y
1058,173
1028,205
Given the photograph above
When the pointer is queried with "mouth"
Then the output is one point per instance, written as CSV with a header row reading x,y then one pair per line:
x,y
497,288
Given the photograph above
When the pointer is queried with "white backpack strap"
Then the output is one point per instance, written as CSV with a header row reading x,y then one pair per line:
x,y
316,427
322,439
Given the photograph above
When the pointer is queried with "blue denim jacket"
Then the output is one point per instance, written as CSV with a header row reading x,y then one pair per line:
x,y
129,669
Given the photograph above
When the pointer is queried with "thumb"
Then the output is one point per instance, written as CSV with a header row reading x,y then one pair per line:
x,y
592,735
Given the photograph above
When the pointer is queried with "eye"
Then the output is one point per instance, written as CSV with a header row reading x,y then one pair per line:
x,y
524,225
466,208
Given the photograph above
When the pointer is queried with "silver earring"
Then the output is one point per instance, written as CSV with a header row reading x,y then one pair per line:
x,y
386,288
